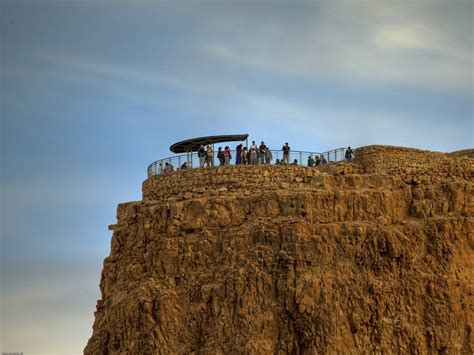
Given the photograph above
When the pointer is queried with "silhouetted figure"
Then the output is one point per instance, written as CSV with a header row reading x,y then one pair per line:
x,y
349,154
317,161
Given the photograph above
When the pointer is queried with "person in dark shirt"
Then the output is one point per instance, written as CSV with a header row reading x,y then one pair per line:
x,y
318,161
238,154
220,156
310,161
349,154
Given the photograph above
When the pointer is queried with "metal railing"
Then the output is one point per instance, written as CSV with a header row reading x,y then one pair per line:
x,y
192,159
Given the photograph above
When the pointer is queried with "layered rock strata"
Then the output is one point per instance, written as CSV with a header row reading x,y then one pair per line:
x,y
370,257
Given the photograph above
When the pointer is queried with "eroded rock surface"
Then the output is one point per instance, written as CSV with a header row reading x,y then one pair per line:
x,y
370,257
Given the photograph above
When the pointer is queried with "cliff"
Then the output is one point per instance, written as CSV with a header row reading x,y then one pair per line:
x,y
370,257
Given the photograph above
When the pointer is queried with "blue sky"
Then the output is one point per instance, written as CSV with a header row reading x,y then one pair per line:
x,y
92,92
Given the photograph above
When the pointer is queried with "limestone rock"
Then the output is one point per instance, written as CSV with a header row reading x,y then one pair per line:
x,y
370,257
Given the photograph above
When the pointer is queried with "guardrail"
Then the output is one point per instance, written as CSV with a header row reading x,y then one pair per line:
x,y
192,159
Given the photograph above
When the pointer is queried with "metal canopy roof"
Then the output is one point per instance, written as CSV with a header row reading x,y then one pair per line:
x,y
193,144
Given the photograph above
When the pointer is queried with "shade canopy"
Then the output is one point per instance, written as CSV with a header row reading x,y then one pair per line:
x,y
193,144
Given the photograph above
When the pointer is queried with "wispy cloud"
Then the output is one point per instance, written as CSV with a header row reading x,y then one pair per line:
x,y
77,64
322,120
357,42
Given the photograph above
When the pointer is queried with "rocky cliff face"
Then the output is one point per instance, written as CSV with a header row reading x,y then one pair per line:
x,y
371,257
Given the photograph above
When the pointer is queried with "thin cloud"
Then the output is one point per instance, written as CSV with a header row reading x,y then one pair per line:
x,y
76,64
372,44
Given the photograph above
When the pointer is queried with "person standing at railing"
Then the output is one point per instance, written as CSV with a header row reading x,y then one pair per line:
x,y
160,167
202,156
244,156
261,151
220,156
349,154
227,155
311,161
253,153
238,154
286,153
268,156
210,156
317,161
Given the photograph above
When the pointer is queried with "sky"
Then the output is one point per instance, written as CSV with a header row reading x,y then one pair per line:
x,y
93,91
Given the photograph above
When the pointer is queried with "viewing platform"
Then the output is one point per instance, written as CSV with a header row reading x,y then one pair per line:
x,y
189,149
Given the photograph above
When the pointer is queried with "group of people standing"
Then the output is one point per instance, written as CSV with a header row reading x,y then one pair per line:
x,y
253,155
206,155
256,154
243,155
319,160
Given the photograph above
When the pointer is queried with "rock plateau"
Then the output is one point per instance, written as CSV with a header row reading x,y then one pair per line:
x,y
375,256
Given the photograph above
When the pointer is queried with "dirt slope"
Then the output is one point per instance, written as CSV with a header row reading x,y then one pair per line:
x,y
370,257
